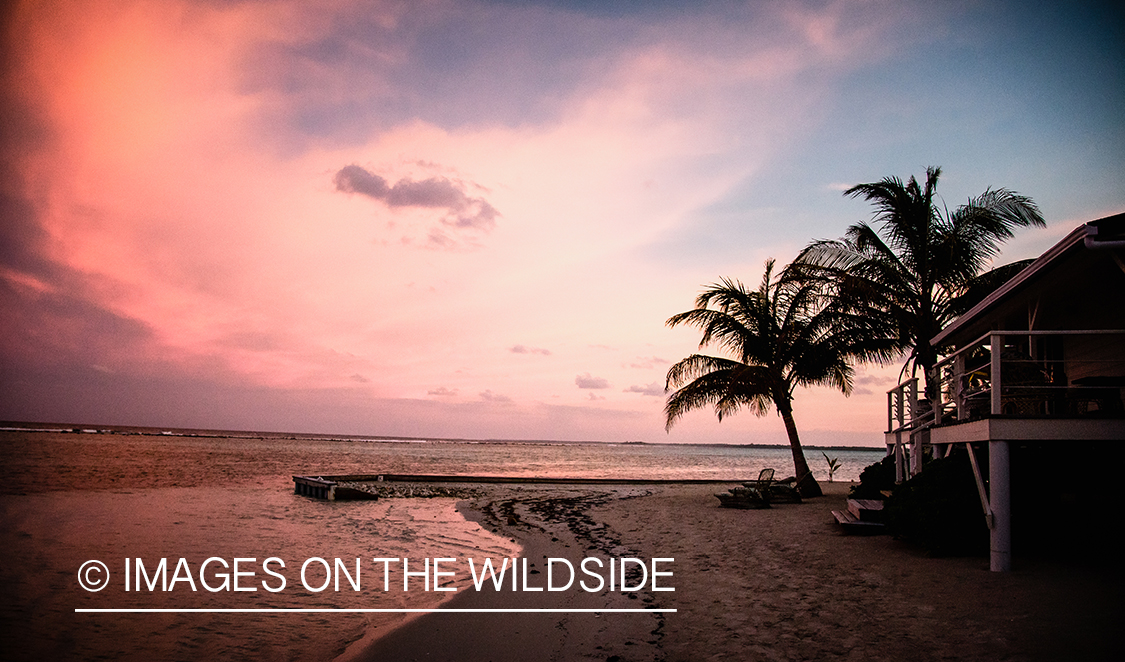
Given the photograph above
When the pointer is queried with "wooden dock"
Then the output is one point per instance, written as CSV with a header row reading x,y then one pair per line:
x,y
330,489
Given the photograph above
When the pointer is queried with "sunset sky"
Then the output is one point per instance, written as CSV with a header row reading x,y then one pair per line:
x,y
472,219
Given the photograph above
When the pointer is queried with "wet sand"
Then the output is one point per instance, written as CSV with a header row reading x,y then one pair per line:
x,y
778,584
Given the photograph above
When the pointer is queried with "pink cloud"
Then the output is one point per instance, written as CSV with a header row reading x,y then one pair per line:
x,y
652,389
588,381
521,349
488,396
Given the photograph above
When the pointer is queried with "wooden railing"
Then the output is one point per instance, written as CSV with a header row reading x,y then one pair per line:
x,y
906,419
1003,373
993,376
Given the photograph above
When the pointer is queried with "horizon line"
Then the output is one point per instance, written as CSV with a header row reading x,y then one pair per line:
x,y
165,431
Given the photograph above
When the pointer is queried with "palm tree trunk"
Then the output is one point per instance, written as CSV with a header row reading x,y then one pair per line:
x,y
806,483
927,359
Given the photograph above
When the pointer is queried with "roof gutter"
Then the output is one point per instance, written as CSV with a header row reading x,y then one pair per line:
x,y
1094,244
1093,229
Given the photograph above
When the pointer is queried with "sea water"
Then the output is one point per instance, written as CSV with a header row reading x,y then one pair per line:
x,y
113,495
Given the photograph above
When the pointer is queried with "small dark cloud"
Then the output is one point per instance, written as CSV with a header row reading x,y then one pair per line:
x,y
359,378
354,179
442,391
489,396
521,349
862,383
655,388
463,210
437,239
595,396
589,381
648,362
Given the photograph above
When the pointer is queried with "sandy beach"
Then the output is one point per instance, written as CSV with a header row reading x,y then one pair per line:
x,y
777,584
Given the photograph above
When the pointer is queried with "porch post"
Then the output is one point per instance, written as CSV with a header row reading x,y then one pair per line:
x,y
996,346
959,385
890,411
900,473
1000,502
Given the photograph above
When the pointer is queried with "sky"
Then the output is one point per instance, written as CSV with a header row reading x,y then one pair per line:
x,y
472,219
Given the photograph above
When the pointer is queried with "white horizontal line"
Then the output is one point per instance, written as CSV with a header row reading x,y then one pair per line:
x,y
317,610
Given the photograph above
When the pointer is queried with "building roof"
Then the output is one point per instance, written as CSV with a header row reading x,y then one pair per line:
x,y
1082,275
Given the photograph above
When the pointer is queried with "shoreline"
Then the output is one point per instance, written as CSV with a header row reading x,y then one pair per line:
x,y
776,584
546,524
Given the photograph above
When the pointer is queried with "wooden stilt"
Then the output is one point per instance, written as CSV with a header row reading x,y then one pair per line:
x,y
1000,502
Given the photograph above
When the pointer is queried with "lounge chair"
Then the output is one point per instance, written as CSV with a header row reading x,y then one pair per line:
x,y
765,478
742,497
785,491
750,495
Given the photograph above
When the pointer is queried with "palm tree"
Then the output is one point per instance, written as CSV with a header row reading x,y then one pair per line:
x,y
779,337
922,266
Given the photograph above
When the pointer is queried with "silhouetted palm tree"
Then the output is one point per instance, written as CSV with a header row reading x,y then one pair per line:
x,y
778,337
921,267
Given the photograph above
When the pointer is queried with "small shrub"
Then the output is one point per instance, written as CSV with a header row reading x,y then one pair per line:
x,y
940,509
874,479
833,464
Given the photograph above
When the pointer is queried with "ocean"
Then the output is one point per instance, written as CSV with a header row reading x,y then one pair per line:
x,y
199,500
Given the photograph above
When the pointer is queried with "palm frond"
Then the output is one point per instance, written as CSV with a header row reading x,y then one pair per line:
x,y
912,269
712,381
977,288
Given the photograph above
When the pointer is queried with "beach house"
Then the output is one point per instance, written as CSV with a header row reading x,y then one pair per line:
x,y
1039,365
